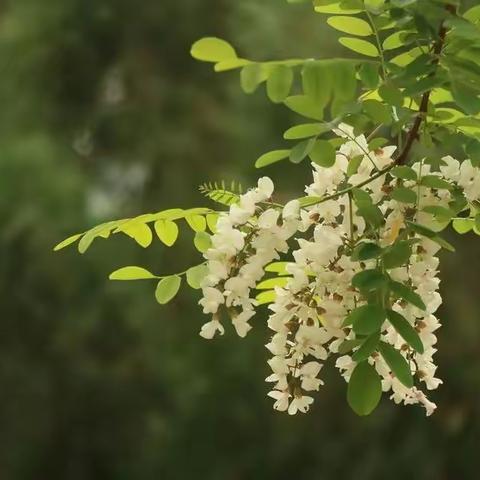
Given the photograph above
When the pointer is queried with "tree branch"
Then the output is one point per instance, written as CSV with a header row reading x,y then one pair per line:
x,y
423,110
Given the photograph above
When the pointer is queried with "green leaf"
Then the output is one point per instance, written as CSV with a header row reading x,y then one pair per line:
x,y
336,8
212,49
421,229
354,164
277,267
405,330
365,319
212,219
378,111
202,241
427,232
349,345
344,81
305,130
305,106
366,251
403,195
372,215
361,198
407,294
300,151
442,214
466,97
140,232
196,274
397,255
230,64
359,46
268,296
351,25
368,280
369,345
369,75
364,389
323,153
131,273
167,288
392,95
271,157
271,283
167,231
432,181
472,14
318,83
463,225
251,76
404,172
68,241
397,363
196,222
279,83
395,40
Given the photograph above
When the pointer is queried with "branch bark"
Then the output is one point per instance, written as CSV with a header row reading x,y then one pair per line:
x,y
423,110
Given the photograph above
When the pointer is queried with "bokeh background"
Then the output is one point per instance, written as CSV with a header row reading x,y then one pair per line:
x,y
104,115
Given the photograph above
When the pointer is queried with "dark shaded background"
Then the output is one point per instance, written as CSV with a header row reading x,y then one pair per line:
x,y
104,115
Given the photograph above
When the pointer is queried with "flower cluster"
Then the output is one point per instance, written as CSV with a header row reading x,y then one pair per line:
x,y
384,232
247,238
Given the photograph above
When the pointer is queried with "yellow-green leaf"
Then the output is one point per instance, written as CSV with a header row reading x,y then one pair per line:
x,y
197,222
167,231
140,232
359,46
473,14
131,273
271,157
279,83
212,219
335,9
266,297
351,25
167,288
68,241
463,225
202,241
305,105
212,49
395,40
272,283
196,274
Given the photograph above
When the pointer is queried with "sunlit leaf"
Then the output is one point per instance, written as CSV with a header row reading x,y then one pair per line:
x,y
131,273
167,288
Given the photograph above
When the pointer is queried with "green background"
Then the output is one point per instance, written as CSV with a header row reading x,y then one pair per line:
x,y
104,115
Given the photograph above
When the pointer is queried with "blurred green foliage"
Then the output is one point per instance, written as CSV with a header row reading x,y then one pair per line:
x,y
104,115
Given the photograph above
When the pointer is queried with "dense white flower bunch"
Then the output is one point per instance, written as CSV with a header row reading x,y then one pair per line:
x,y
362,280
247,238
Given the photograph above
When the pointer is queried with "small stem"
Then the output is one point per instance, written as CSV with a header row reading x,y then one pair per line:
x,y
379,44
349,189
350,207
353,139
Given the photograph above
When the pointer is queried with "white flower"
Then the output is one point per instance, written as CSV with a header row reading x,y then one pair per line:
x,y
300,404
209,329
282,399
240,322
211,300
265,187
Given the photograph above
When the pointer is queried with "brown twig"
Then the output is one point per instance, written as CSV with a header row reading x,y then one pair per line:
x,y
423,110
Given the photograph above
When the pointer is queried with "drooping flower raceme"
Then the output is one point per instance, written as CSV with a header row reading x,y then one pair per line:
x,y
360,273
247,238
